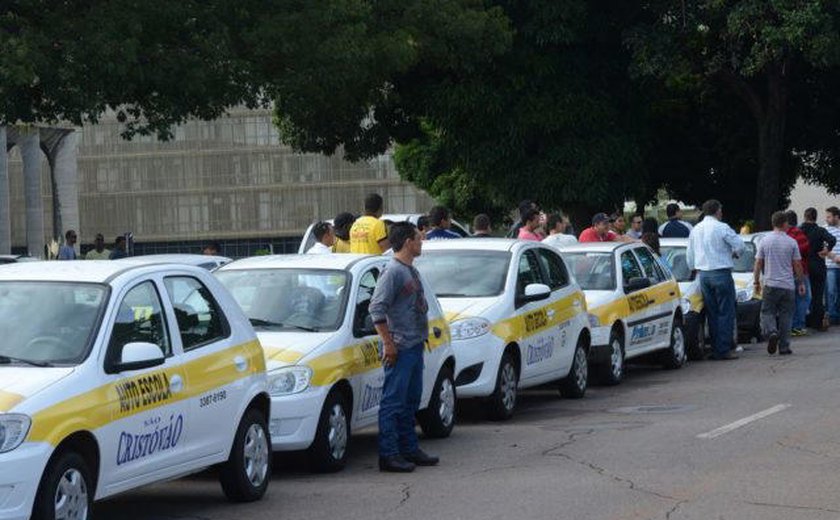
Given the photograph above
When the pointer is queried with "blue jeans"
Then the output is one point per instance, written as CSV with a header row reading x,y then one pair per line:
x,y
401,395
803,304
832,294
718,289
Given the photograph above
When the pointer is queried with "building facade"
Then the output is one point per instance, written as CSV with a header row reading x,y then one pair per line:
x,y
228,180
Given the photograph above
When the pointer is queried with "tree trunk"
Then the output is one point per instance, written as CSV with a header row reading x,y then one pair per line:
x,y
771,149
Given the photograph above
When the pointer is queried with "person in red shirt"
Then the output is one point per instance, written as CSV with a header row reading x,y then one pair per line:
x,y
600,230
803,302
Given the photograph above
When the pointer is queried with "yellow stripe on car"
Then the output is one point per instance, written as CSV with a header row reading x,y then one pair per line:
x,y
9,400
623,308
525,325
129,396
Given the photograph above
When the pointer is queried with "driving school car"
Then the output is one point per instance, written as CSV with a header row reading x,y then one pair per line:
x,y
634,305
114,375
517,318
324,356
747,306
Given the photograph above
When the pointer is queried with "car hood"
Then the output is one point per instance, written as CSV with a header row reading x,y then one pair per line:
x,y
597,298
287,348
458,308
19,383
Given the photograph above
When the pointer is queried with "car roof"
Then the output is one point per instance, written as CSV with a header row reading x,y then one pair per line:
x,y
596,247
85,271
334,261
474,244
673,242
189,259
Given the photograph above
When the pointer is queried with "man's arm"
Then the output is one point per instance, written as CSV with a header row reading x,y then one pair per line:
x,y
734,241
383,298
689,252
828,238
759,267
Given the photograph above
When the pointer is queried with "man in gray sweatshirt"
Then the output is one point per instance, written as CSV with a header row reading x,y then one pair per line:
x,y
400,314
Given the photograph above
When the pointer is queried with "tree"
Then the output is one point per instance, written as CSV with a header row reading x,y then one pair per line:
x,y
773,56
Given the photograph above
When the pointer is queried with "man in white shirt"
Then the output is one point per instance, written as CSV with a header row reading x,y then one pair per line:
x,y
557,237
711,247
832,282
324,237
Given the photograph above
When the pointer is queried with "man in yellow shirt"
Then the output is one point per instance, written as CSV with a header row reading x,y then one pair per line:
x,y
369,235
98,252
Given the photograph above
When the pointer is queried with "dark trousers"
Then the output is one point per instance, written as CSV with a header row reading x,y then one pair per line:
x,y
777,306
718,289
401,394
817,277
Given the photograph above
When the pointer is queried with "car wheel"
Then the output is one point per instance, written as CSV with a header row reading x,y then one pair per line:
x,y
328,452
613,372
503,400
574,385
245,475
438,419
65,491
695,336
675,356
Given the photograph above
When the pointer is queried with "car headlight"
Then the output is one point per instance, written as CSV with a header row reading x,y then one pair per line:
x,y
469,328
13,430
593,320
289,380
744,295
685,305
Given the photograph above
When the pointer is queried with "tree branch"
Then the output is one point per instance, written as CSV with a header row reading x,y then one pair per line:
x,y
744,91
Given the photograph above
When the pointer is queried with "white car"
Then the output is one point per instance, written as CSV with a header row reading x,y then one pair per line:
x,y
517,318
13,259
747,307
209,262
323,353
309,238
114,376
634,305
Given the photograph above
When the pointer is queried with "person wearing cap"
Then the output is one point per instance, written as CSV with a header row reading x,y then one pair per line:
x,y
675,227
99,252
600,230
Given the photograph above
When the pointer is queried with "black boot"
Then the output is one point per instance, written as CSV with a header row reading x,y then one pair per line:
x,y
395,464
421,458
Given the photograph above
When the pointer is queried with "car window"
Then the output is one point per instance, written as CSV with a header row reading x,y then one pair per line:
x,y
675,258
464,274
593,271
308,300
367,284
650,265
528,273
554,268
630,267
199,318
139,318
746,260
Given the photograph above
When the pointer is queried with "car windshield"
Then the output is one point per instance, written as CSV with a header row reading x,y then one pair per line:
x,y
593,271
746,262
675,258
47,323
310,300
465,274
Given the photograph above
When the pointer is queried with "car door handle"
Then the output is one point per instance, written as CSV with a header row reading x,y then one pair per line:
x,y
176,384
437,332
241,363
672,293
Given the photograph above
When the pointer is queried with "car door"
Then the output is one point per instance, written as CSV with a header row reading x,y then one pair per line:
x,y
663,297
439,336
565,304
151,421
640,332
214,369
367,386
537,336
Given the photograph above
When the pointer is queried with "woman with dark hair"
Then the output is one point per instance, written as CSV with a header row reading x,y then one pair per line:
x,y
652,241
342,224
650,225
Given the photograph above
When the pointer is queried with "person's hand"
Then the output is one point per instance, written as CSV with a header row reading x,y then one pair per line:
x,y
824,253
389,354
757,288
802,290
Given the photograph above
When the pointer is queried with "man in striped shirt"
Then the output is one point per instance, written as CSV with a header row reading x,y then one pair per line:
x,y
711,246
832,282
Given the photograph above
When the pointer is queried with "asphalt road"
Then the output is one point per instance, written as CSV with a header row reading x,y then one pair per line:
x,y
651,448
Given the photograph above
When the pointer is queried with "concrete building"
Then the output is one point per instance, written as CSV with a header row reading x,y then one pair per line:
x,y
228,180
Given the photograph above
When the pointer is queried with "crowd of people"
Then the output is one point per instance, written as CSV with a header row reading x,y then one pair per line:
x,y
67,251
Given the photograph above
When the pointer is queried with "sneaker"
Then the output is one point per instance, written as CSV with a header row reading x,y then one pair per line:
x,y
739,349
421,458
395,464
772,342
798,332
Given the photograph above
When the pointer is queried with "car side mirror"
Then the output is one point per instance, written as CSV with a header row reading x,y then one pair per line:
x,y
534,292
636,284
366,328
137,356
